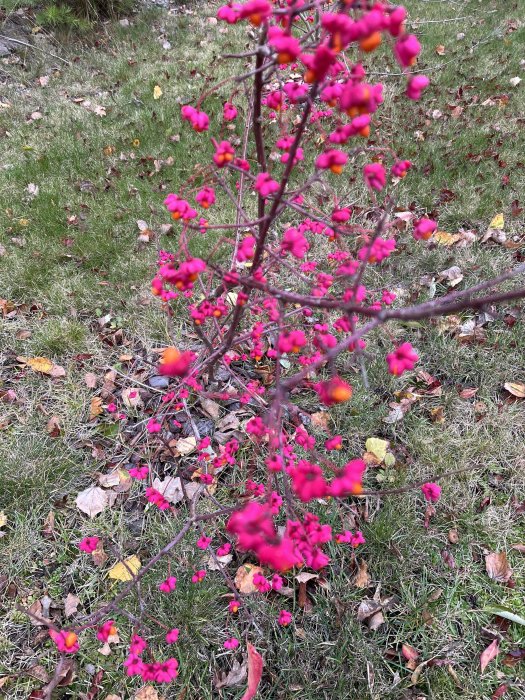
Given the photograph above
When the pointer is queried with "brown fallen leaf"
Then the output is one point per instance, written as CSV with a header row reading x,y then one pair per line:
x,y
53,426
440,50
321,420
244,578
513,657
98,555
468,393
519,548
147,692
411,655
71,603
516,389
497,567
236,675
90,380
489,654
95,407
362,578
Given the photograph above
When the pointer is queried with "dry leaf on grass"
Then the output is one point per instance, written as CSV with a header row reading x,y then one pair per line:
x,y
362,578
321,420
148,692
71,604
497,567
516,389
170,488
43,365
90,380
236,675
255,667
92,501
125,570
377,447
186,446
244,578
95,407
489,654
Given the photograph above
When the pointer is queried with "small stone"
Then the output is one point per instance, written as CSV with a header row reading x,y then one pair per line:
x,y
158,382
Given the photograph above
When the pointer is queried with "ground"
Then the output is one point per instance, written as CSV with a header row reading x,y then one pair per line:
x,y
74,272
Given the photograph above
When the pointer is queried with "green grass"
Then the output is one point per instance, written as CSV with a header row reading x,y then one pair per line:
x,y
66,275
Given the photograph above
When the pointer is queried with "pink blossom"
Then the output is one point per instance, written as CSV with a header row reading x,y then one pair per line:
x,y
349,480
88,544
334,443
134,665
284,618
424,228
402,359
229,112
137,645
168,585
153,426
231,643
415,86
264,185
277,582
375,176
246,249
333,160
199,120
431,491
224,549
205,197
65,640
198,576
406,50
204,542
224,154
139,473
107,630
172,636
294,242
234,605
155,497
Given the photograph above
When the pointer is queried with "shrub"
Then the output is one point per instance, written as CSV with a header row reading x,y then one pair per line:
x,y
294,279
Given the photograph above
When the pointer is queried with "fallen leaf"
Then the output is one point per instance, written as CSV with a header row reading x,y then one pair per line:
x,y
440,50
489,654
92,501
98,555
124,571
321,420
210,408
3,519
513,657
244,578
71,604
446,239
235,675
518,547
157,92
186,446
43,365
409,652
90,380
452,275
95,407
148,692
515,388
497,567
170,488
53,426
377,447
255,667
367,608
468,393
362,578
500,691
498,222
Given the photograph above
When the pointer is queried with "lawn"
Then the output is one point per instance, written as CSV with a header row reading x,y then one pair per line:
x,y
87,152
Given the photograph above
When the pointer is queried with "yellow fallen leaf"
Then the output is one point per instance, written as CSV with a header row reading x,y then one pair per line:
x,y
516,389
40,364
3,518
124,571
497,222
444,238
377,447
157,92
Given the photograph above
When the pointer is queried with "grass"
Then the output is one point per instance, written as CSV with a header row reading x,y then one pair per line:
x,y
62,274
